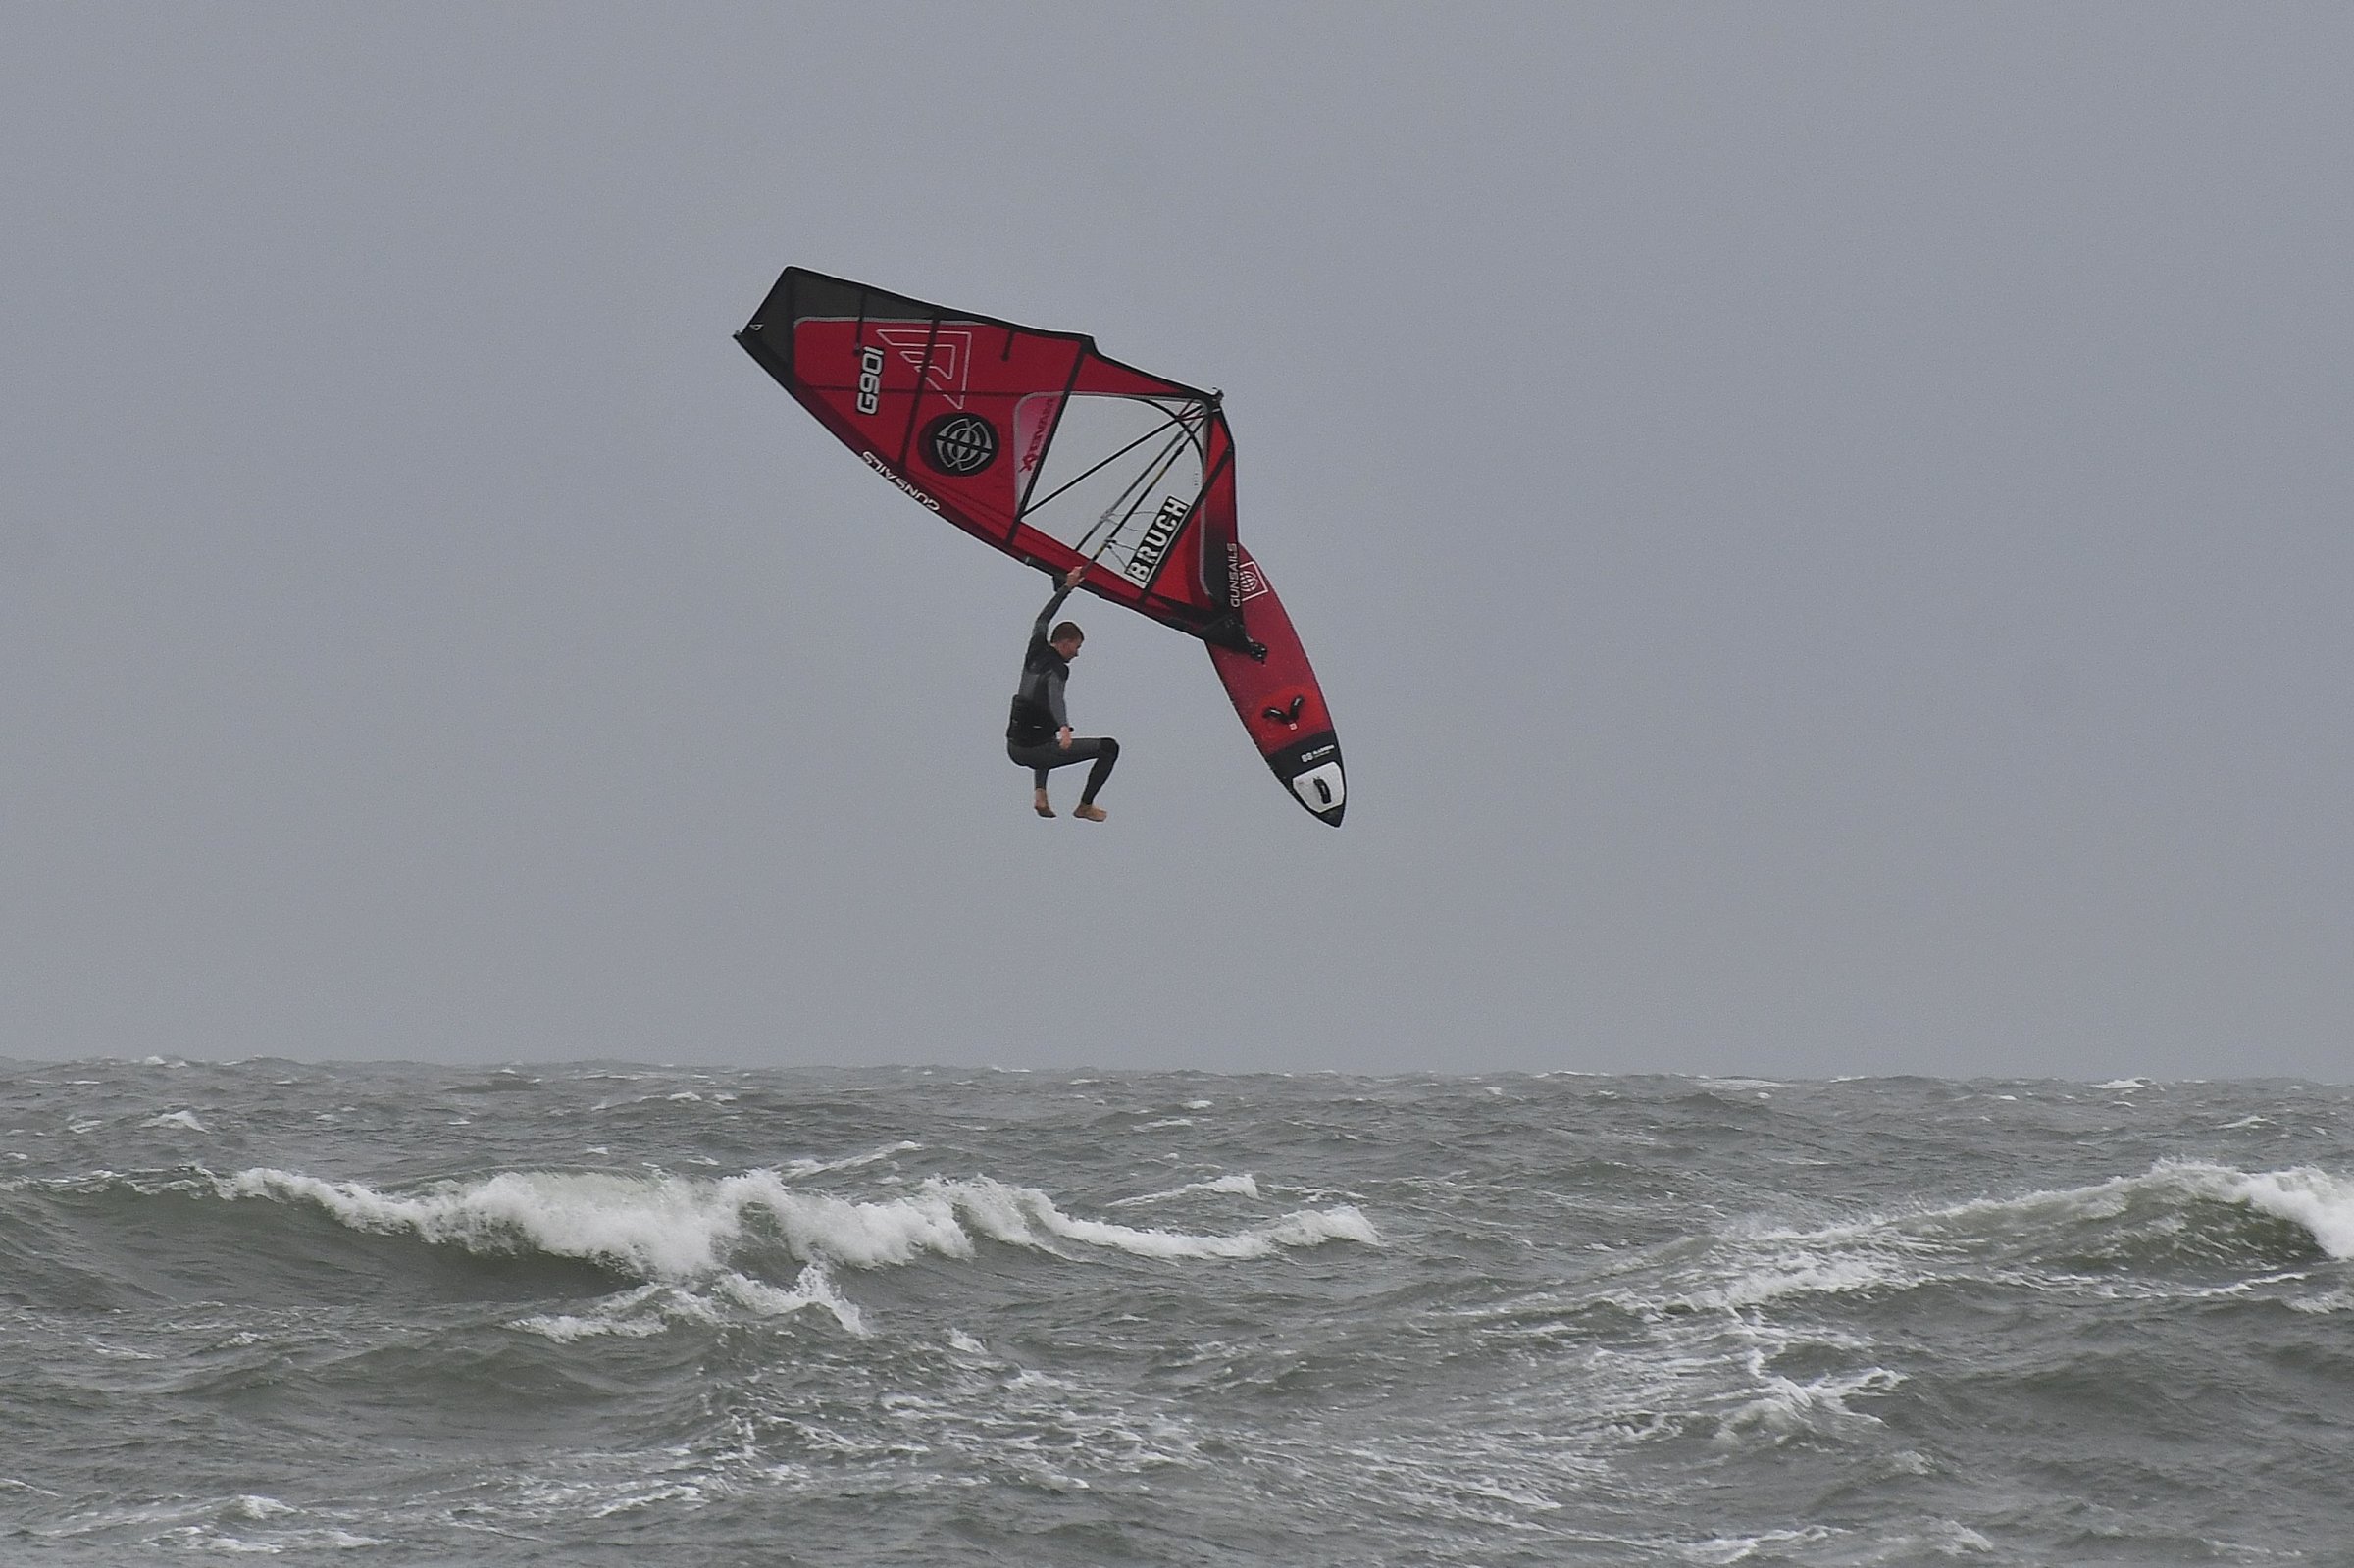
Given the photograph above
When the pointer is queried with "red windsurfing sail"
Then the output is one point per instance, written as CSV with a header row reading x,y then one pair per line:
x,y
1041,446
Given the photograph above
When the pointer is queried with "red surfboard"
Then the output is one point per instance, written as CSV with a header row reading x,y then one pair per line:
x,y
1043,448
1278,699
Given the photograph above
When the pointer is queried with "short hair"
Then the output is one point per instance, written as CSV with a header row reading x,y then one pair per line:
x,y
1068,632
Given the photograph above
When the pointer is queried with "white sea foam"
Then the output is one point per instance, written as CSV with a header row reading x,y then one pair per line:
x,y
1804,1273
653,1309
1756,1266
179,1119
813,1289
1782,1409
1946,1538
1726,1549
674,1228
253,1505
2340,1300
850,1162
1024,1216
663,1226
567,1328
219,1525
1242,1184
861,1235
2320,1203
676,1491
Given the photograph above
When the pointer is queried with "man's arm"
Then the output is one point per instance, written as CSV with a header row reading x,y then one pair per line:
x,y
1045,616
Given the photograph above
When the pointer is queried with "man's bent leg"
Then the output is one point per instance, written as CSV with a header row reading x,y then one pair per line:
x,y
1044,758
1107,752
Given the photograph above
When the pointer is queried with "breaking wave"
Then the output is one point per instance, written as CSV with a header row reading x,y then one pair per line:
x,y
2179,1212
1243,1185
2168,1197
650,1309
673,1228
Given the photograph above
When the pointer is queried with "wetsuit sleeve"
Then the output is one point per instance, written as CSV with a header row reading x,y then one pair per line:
x,y
1045,619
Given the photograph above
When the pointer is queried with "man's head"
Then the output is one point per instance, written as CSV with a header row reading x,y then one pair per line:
x,y
1066,640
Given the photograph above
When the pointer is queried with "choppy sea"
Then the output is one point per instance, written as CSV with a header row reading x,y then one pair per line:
x,y
660,1316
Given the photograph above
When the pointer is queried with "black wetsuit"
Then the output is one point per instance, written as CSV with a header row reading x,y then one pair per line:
x,y
1039,716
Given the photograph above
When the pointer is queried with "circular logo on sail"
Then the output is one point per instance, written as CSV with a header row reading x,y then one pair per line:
x,y
961,444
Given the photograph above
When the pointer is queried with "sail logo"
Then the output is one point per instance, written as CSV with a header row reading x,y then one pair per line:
x,y
1243,579
870,379
962,444
1157,538
944,358
1037,442
885,469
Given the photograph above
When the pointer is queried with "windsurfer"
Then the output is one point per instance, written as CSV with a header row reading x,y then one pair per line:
x,y
1037,736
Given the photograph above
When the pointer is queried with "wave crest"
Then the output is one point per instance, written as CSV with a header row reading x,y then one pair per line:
x,y
2171,1194
684,1228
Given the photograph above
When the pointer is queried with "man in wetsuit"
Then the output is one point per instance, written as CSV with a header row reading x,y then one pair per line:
x,y
1039,735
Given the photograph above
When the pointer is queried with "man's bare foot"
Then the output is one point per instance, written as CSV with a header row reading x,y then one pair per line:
x,y
1040,804
1090,813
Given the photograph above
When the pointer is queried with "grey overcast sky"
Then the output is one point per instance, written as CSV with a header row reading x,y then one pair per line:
x,y
1825,529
